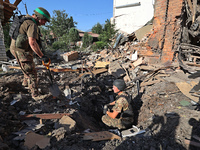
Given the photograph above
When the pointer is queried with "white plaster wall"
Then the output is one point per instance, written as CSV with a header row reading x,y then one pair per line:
x,y
129,19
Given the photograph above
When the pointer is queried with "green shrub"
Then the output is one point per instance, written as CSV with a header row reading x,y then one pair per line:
x,y
59,45
99,45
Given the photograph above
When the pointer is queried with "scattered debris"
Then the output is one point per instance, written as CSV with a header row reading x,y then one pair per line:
x,y
100,136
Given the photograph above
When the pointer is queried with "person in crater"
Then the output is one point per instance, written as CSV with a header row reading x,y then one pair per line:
x,y
121,114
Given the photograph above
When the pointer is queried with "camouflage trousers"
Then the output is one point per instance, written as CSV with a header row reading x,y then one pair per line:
x,y
116,123
25,61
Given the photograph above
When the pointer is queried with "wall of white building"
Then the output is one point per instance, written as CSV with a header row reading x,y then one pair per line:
x,y
130,15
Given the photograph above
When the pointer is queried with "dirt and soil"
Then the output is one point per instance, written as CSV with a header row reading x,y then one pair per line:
x,y
158,110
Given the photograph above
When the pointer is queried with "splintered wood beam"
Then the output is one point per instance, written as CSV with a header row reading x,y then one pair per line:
x,y
194,10
100,136
52,69
196,144
17,2
1,2
44,116
190,5
10,5
8,12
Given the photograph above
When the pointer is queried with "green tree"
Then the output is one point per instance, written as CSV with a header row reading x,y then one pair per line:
x,y
98,28
44,36
73,35
87,39
108,32
7,39
60,23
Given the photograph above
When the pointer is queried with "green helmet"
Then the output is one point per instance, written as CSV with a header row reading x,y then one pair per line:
x,y
120,84
42,13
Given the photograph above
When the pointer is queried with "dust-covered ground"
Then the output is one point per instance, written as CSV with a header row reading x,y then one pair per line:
x,y
158,110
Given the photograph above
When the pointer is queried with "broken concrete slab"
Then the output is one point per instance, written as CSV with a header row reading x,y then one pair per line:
x,y
68,123
140,33
185,88
116,70
33,139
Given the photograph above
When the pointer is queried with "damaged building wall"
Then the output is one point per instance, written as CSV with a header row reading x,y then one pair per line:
x,y
166,35
6,11
130,15
3,56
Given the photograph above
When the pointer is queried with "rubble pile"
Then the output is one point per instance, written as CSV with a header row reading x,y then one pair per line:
x,y
166,112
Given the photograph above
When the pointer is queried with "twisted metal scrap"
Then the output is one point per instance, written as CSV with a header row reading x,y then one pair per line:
x,y
185,49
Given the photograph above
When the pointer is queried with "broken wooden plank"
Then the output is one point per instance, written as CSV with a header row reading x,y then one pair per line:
x,y
100,136
147,68
95,72
98,71
189,142
137,62
149,82
65,70
190,6
196,137
100,64
193,64
151,72
17,2
194,10
51,69
45,116
127,75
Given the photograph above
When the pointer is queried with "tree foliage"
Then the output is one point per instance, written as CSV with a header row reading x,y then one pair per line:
x,y
87,39
7,39
98,28
45,32
73,35
60,23
105,36
108,32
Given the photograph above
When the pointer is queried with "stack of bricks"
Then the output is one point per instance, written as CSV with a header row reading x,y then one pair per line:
x,y
166,27
69,56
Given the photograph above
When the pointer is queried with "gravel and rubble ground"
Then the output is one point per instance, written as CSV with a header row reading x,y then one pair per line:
x,y
158,109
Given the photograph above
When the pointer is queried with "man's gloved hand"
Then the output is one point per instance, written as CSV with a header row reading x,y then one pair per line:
x,y
105,109
45,59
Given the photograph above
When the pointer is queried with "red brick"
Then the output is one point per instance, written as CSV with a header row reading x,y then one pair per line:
x,y
171,27
69,56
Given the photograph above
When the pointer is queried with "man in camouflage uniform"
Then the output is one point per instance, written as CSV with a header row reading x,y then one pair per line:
x,y
121,116
29,39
